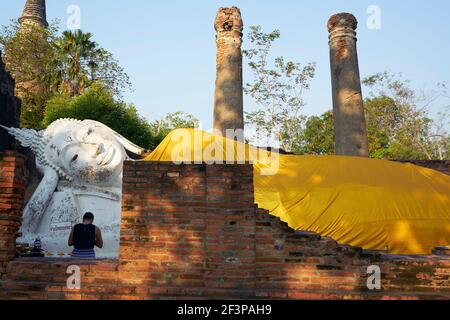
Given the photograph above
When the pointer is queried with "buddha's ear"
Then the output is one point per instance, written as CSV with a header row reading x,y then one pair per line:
x,y
127,144
39,201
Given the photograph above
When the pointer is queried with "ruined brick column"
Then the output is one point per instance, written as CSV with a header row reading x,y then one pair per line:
x,y
228,101
12,193
349,120
34,13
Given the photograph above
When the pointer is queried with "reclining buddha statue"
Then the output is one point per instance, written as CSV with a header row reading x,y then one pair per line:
x,y
81,163
369,203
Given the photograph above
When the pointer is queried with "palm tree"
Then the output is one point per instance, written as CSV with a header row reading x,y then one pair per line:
x,y
76,55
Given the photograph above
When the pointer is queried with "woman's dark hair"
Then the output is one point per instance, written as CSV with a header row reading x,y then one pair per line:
x,y
88,216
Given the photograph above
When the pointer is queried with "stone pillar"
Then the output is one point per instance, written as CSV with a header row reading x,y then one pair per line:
x,y
34,13
349,120
228,101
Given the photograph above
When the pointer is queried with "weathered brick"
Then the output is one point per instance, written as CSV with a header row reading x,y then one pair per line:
x,y
193,231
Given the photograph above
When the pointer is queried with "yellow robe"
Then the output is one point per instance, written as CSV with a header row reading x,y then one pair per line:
x,y
374,204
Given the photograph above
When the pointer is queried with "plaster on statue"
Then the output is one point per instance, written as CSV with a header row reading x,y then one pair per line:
x,y
82,164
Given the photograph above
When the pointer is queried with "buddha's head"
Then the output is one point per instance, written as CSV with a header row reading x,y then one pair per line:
x,y
83,155
82,152
85,152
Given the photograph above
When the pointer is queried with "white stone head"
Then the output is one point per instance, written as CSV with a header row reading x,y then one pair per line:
x,y
86,152
82,154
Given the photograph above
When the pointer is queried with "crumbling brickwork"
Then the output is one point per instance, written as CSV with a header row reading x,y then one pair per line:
x,y
12,191
193,231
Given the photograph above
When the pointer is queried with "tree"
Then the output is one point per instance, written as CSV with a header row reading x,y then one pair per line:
x,y
177,120
440,138
393,131
98,103
399,125
45,64
29,57
277,89
81,62
104,68
318,136
397,128
75,51
382,117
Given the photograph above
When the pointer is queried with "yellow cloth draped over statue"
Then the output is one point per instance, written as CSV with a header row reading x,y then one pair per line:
x,y
374,204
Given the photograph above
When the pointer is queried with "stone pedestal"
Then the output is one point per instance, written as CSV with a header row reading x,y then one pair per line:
x,y
348,109
228,101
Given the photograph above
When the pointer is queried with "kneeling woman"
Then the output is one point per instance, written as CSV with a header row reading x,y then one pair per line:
x,y
84,237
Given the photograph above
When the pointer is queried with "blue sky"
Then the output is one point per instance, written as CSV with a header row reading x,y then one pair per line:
x,y
168,47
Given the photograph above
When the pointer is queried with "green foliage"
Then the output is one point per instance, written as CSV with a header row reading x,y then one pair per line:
x,y
381,116
398,122
277,88
161,128
318,135
45,64
397,129
75,51
98,103
81,62
388,137
29,57
291,133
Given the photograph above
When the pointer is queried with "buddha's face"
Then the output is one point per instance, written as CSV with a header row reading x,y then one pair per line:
x,y
88,154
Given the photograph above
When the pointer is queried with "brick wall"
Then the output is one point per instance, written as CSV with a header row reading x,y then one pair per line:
x,y
12,189
193,231
188,230
303,265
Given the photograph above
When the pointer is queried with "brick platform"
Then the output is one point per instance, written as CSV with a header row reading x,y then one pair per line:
x,y
193,231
